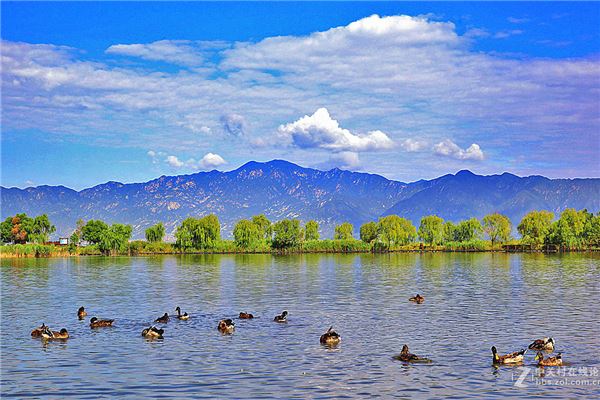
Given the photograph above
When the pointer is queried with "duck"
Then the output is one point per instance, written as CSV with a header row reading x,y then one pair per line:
x,y
281,318
226,326
244,315
550,361
153,333
81,313
512,358
62,334
542,344
54,335
163,320
417,299
100,323
37,332
330,338
183,317
407,356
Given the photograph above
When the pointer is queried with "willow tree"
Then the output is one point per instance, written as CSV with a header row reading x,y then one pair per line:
x,y
431,229
394,230
311,230
343,231
535,226
155,233
246,233
497,227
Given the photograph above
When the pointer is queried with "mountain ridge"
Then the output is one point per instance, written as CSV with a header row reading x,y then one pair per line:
x,y
282,189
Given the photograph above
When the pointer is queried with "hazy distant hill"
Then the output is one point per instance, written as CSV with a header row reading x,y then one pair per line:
x,y
281,189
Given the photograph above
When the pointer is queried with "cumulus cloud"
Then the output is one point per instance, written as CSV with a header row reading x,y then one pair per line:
x,y
412,145
450,149
321,131
174,162
397,73
234,124
208,161
211,160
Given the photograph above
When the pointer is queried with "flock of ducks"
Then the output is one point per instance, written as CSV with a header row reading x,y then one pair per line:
x,y
329,338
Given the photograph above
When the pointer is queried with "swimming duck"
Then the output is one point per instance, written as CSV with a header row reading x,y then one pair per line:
x,y
81,313
417,299
37,332
550,361
330,338
153,333
54,335
100,323
542,344
62,334
163,320
226,326
183,317
512,358
244,315
406,356
281,318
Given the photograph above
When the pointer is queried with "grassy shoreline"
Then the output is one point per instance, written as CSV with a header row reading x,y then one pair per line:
x,y
140,248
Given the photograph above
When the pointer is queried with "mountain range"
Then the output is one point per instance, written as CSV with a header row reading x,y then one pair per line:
x,y
281,189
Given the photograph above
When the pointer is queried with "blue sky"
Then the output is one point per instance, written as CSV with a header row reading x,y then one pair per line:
x,y
129,91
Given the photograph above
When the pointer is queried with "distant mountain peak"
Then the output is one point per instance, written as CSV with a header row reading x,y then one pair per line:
x,y
281,189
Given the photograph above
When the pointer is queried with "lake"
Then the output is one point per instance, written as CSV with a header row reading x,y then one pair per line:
x,y
473,301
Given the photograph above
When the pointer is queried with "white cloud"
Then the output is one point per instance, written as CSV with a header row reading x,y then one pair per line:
x,y
507,34
180,52
398,74
321,131
234,124
211,160
514,20
450,149
412,145
151,153
174,162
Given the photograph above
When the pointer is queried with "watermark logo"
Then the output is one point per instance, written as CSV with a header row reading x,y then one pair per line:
x,y
556,376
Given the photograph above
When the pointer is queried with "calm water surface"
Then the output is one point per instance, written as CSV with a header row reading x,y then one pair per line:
x,y
473,301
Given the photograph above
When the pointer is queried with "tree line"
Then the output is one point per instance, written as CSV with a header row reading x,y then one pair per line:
x,y
572,230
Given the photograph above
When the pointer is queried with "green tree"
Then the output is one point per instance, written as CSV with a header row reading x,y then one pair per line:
x,y
311,230
368,232
41,229
202,233
449,232
184,237
568,231
535,226
155,233
497,227
343,231
591,230
74,242
431,229
264,225
468,230
6,230
115,239
92,231
394,230
246,233
287,234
